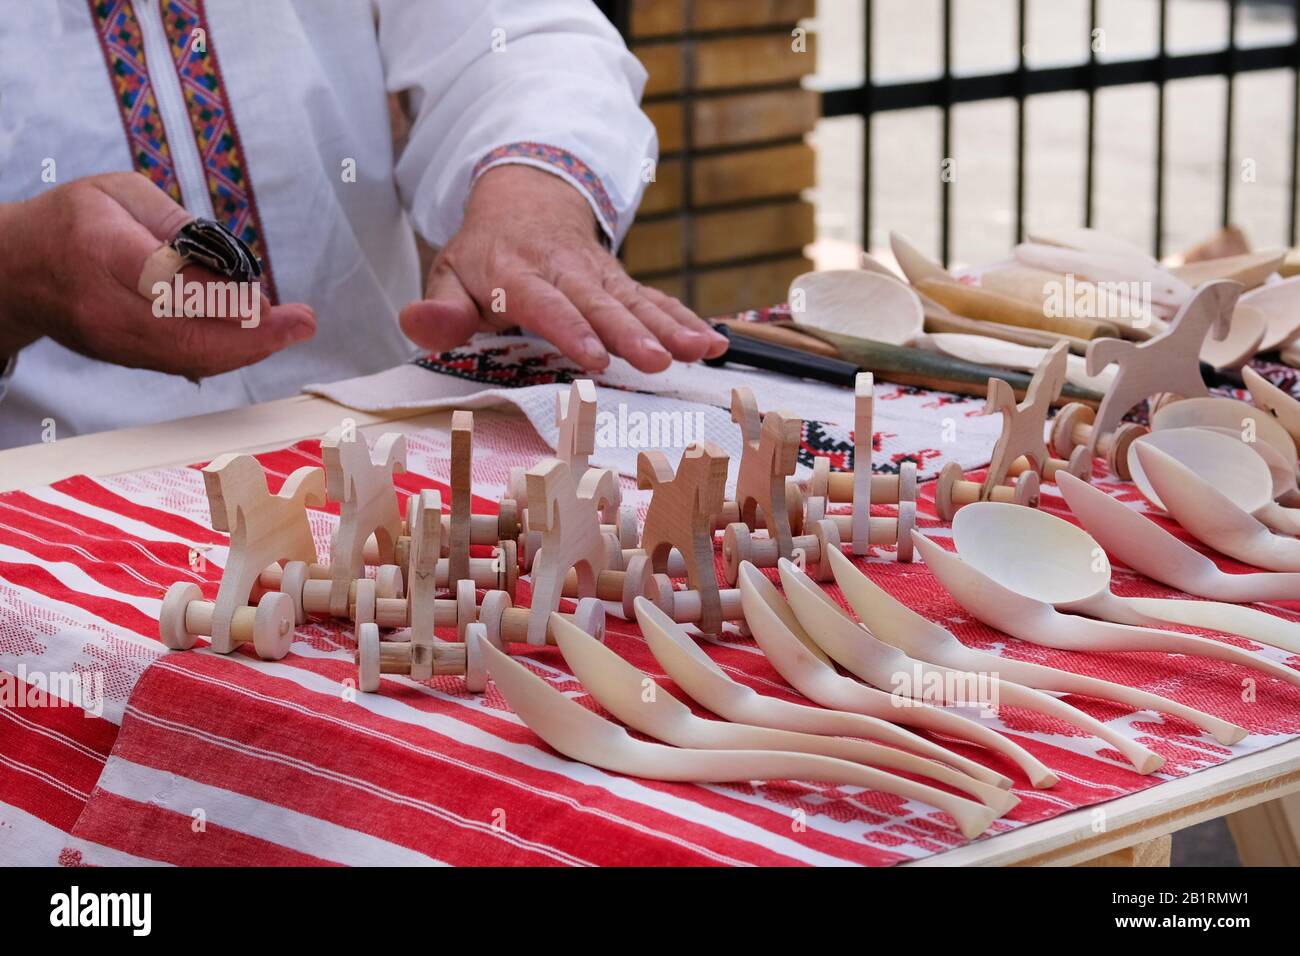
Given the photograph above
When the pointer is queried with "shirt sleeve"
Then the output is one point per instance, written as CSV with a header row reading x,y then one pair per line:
x,y
546,83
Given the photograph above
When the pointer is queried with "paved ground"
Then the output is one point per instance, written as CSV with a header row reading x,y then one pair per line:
x,y
906,165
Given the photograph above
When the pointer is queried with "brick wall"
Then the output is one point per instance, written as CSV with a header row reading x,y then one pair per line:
x,y
723,225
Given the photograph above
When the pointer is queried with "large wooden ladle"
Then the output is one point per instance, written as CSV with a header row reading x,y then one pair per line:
x,y
635,699
1048,558
582,735
1039,623
805,666
1151,550
921,638
1212,518
1224,462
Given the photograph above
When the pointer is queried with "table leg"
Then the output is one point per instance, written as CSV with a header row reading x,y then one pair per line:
x,y
1268,834
1150,853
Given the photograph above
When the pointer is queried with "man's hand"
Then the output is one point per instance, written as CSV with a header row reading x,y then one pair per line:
x,y
70,261
527,254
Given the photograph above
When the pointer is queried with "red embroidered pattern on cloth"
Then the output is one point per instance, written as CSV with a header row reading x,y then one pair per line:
x,y
560,159
211,120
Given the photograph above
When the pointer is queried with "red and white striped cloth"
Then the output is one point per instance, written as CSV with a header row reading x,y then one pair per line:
x,y
197,758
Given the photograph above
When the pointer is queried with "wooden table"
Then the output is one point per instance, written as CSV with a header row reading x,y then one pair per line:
x,y
1259,793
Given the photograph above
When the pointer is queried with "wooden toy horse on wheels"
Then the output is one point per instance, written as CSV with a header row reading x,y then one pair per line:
x,y
264,529
1168,362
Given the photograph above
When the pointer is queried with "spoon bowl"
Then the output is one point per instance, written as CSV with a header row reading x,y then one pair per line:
x,y
1151,550
1225,413
1213,518
1221,460
1072,573
1040,623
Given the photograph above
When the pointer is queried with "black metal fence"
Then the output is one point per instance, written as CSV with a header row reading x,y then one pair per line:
x,y
948,90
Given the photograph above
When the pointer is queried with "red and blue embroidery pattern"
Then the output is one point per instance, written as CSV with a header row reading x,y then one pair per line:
x,y
213,125
123,46
560,159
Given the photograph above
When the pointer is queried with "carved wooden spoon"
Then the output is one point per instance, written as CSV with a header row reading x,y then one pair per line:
x,y
798,659
1040,623
1223,461
921,638
882,665
635,699
1151,550
695,673
1052,560
582,735
1212,518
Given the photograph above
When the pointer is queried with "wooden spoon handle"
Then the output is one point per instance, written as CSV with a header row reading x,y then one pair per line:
x,y
977,303
1218,616
1065,682
725,766
1006,333
1105,636
913,366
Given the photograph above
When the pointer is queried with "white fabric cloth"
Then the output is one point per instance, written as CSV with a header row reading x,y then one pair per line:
x,y
668,410
307,84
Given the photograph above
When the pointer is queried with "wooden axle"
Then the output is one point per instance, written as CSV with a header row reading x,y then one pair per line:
x,y
624,586
500,572
310,588
1079,465
498,622
739,544
794,506
505,622
623,533
837,486
375,657
687,606
952,491
186,616
881,528
483,530
1073,428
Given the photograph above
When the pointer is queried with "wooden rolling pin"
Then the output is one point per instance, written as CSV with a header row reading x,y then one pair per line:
x,y
977,303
